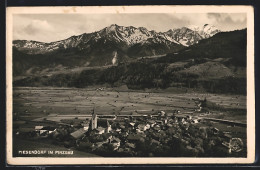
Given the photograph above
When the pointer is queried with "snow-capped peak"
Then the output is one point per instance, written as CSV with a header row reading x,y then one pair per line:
x,y
194,27
128,36
205,31
210,29
111,28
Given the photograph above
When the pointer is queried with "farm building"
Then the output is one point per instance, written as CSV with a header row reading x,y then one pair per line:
x,y
100,130
37,128
47,130
78,133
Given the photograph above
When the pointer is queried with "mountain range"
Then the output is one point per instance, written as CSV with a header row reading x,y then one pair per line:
x,y
191,57
108,46
127,36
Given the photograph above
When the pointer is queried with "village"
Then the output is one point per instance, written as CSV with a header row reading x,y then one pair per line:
x,y
162,135
108,123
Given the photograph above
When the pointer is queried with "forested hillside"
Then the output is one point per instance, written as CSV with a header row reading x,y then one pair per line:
x,y
216,64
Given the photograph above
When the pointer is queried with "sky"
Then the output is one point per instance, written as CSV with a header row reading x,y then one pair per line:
x,y
55,27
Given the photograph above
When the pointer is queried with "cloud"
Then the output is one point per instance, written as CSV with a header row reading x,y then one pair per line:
x,y
215,16
54,27
32,29
37,26
228,21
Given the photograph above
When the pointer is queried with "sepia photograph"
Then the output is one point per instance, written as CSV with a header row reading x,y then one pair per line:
x,y
130,84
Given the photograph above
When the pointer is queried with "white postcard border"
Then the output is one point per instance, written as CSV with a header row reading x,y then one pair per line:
x,y
134,9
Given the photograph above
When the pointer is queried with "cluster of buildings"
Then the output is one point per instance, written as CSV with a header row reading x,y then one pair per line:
x,y
125,134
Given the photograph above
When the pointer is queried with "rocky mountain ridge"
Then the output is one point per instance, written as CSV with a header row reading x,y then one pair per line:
x,y
124,37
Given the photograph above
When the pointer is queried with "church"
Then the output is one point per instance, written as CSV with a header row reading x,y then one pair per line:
x,y
94,120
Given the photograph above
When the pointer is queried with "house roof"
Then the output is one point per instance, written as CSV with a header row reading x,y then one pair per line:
x,y
155,141
78,133
134,137
116,139
159,121
132,123
122,126
141,125
130,145
100,129
156,128
118,130
49,128
100,143
151,121
38,127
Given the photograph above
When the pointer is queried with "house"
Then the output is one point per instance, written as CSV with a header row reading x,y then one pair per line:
x,y
177,111
170,120
199,109
160,122
99,144
122,126
118,130
120,150
143,127
169,125
165,121
100,130
147,126
189,117
152,123
108,137
175,120
215,131
130,145
124,134
86,128
153,141
183,121
115,142
195,121
139,131
47,130
132,124
157,128
38,128
161,113
133,137
85,125
43,132
78,133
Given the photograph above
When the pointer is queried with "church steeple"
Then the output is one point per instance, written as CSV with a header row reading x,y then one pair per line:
x,y
94,120
108,129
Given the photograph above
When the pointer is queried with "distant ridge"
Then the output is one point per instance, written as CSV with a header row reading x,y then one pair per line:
x,y
127,36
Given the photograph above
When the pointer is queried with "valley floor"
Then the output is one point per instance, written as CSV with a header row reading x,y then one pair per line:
x,y
33,102
32,105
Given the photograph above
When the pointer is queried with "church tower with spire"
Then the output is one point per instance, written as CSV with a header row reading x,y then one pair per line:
x,y
94,120
108,129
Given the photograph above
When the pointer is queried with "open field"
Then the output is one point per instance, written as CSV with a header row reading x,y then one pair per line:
x,y
32,102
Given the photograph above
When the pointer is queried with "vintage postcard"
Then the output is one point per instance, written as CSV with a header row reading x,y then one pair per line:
x,y
130,85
